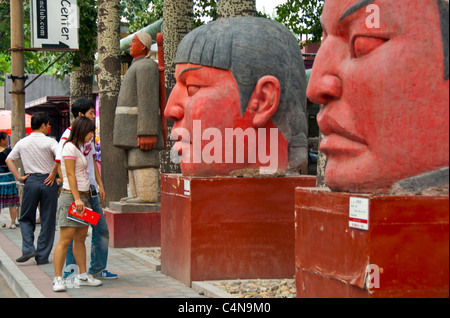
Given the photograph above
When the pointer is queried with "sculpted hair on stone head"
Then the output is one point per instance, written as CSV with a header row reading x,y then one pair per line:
x,y
252,48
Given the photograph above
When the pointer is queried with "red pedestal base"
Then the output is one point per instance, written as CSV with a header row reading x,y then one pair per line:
x,y
407,239
133,229
228,228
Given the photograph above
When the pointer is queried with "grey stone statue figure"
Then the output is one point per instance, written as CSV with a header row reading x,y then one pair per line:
x,y
137,123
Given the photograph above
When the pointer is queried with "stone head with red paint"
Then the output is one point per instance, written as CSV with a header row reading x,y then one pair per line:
x,y
240,100
382,78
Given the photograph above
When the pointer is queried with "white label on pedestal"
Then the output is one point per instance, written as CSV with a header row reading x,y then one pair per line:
x,y
187,187
359,213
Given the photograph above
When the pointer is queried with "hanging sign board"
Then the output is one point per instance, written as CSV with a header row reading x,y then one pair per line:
x,y
54,24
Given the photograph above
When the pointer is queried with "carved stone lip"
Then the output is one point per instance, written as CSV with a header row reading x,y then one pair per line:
x,y
335,144
335,127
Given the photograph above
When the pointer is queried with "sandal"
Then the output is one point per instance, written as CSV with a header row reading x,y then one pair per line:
x,y
12,226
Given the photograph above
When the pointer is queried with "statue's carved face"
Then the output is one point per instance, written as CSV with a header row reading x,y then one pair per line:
x,y
385,111
204,104
137,49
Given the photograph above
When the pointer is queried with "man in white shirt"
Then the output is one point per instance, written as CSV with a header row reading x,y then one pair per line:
x,y
37,152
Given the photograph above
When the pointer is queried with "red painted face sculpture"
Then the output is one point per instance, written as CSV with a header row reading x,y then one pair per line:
x,y
385,97
137,49
205,107
239,103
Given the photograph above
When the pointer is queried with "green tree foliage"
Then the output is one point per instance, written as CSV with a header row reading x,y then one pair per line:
x,y
87,39
140,13
5,58
204,10
302,17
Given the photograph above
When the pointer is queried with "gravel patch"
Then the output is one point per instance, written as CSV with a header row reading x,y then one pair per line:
x,y
258,288
154,253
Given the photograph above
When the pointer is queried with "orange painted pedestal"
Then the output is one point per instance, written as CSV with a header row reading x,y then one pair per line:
x,y
133,229
228,228
407,239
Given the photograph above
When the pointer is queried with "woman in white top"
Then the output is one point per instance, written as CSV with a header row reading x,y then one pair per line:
x,y
75,189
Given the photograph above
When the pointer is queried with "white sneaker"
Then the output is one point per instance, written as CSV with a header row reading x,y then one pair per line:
x,y
86,280
59,284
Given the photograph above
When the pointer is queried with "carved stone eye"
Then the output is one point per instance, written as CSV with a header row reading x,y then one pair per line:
x,y
192,90
363,45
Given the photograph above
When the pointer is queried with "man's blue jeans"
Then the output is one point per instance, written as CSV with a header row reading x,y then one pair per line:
x,y
100,241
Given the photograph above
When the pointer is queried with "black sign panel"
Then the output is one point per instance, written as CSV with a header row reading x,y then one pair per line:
x,y
42,20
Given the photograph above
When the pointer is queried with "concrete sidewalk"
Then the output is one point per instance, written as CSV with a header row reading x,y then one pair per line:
x,y
139,276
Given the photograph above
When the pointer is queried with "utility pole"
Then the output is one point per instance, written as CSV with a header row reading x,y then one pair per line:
x,y
17,72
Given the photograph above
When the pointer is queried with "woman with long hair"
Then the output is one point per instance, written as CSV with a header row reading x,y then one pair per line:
x,y
75,189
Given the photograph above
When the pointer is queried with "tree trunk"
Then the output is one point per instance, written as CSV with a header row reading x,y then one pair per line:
x,y
236,8
81,82
114,174
178,21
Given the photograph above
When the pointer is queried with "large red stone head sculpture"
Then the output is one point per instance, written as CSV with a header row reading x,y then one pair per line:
x,y
382,76
240,99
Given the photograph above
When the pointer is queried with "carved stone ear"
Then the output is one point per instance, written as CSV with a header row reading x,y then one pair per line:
x,y
265,100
